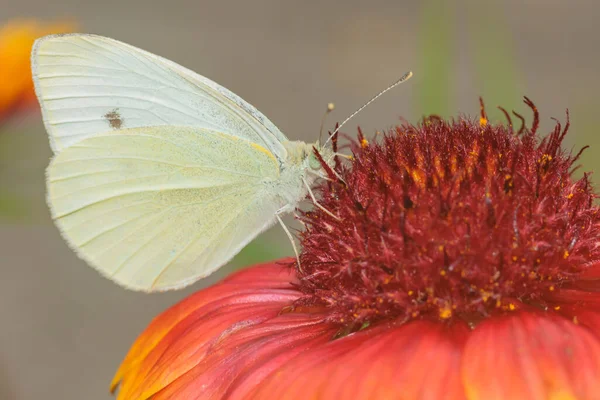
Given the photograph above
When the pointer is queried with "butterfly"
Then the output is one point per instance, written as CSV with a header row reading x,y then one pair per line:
x,y
159,175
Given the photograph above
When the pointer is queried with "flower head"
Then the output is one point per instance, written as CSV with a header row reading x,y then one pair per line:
x,y
451,220
463,264
16,40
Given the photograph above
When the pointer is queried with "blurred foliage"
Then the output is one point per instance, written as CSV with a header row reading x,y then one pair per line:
x,y
264,248
493,58
12,206
489,48
16,97
436,38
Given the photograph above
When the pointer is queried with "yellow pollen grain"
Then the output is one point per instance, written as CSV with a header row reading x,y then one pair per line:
x,y
570,196
445,312
551,288
364,143
410,292
453,164
565,254
418,177
514,258
557,308
438,167
512,307
483,121
485,295
443,273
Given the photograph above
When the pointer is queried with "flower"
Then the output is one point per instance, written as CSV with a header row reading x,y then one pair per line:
x,y
16,40
459,260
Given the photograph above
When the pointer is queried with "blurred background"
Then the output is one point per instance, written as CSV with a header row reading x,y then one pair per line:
x,y
64,329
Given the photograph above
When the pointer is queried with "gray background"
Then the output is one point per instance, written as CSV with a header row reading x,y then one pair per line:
x,y
64,329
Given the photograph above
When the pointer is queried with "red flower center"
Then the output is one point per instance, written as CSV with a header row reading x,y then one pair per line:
x,y
449,220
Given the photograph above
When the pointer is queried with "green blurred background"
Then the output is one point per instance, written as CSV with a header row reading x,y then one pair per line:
x,y
64,328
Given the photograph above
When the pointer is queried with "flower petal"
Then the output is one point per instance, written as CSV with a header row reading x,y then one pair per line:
x,y
530,356
234,366
177,339
419,360
16,40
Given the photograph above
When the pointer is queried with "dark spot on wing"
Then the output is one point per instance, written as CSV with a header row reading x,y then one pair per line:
x,y
114,119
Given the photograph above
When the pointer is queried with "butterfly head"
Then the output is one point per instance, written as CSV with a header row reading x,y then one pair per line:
x,y
301,153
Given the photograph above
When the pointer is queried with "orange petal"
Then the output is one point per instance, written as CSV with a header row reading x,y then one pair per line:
x,y
234,366
249,296
16,40
419,360
529,356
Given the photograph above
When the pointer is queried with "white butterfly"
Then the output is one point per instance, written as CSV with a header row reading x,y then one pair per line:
x,y
160,176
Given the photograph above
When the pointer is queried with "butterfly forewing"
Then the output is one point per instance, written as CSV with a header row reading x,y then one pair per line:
x,y
90,84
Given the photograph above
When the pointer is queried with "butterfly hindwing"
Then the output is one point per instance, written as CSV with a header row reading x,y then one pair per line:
x,y
158,208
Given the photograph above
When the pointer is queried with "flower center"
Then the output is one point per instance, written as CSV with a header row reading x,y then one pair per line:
x,y
456,219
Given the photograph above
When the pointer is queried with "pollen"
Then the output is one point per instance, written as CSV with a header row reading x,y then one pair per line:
x,y
449,220
445,312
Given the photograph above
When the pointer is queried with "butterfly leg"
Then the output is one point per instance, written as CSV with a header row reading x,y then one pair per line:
x,y
316,203
289,235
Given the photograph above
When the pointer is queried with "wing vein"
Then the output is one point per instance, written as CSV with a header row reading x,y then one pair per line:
x,y
195,239
163,230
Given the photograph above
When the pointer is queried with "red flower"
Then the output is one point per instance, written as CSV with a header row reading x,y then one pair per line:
x,y
463,265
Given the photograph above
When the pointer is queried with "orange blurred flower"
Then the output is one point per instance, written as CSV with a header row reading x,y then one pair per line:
x,y
464,265
16,40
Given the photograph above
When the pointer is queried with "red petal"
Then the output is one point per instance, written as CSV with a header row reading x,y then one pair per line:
x,y
574,296
592,271
177,339
582,316
420,360
531,357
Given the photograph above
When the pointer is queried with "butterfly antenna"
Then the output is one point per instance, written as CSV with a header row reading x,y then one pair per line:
x,y
402,79
330,108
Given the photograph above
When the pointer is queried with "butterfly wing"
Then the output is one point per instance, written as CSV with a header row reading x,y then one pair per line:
x,y
158,208
89,84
